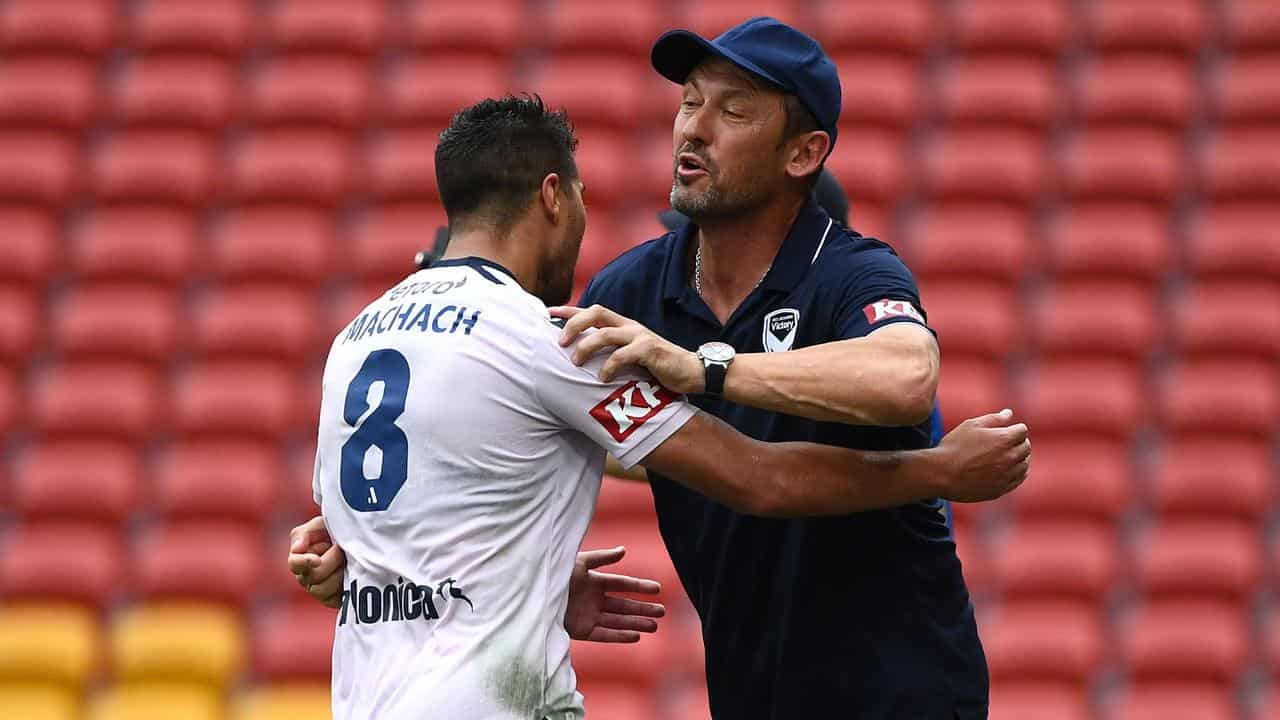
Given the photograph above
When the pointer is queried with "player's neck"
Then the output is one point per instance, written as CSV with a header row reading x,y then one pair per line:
x,y
508,252
738,251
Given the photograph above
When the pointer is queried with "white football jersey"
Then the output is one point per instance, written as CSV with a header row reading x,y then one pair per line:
x,y
459,459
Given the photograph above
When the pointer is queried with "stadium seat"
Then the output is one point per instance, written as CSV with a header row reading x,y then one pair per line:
x,y
974,559
598,89
879,90
1128,25
128,322
38,702
146,701
227,551
999,91
1187,641
971,387
352,26
312,90
351,302
236,399
1244,91
295,489
1251,24
39,167
90,481
310,166
1096,318
709,18
44,92
618,701
1200,558
487,26
1121,240
1056,560
970,241
264,322
182,91
1221,396
104,399
273,243
166,166
1076,479
61,561
29,259
1268,705
1228,318
217,480
906,27
571,26
623,499
431,89
294,643
389,236
984,165
1122,164
53,644
9,401
72,26
1011,700
1242,164
401,165
600,245
134,243
690,702
1044,642
1100,398
1043,28
976,318
1143,89
221,27
631,664
284,702
1212,477
870,164
1234,240
602,157
1174,701
646,554
19,318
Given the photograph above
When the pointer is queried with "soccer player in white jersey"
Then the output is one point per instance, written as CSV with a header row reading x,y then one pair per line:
x,y
460,449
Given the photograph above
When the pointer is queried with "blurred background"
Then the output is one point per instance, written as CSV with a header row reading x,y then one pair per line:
x,y
196,194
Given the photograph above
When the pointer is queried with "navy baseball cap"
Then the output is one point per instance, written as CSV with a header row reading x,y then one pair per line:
x,y
767,48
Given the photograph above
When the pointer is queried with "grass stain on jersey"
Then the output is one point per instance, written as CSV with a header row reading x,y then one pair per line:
x,y
517,684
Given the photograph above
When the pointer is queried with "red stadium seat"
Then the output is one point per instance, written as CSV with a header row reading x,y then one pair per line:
x,y
250,401
999,90
1229,317
1199,558
348,305
1243,164
600,245
296,490
43,92
9,401
210,26
1221,396
586,25
1116,164
1012,25
971,241
618,701
1188,641
1245,90
1057,561
635,664
490,26
709,18
602,157
691,703
402,165
973,317
879,90
228,552
984,165
1235,240
1096,318
38,167
1076,479
117,321
159,166
1126,25
600,89
1144,89
354,26
181,91
135,243
869,163
1175,701
77,481
294,643
906,26
1252,24
218,480
61,561
646,554
1111,240
1101,398
1044,642
19,318
1038,701
971,387
1208,477
433,88
974,560
623,499
30,257
282,243
292,165
389,237
78,26
107,399
323,90
255,322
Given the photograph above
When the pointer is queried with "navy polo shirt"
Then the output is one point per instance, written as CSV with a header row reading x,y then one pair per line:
x,y
857,616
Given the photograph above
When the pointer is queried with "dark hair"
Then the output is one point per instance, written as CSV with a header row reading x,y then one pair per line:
x,y
494,155
799,121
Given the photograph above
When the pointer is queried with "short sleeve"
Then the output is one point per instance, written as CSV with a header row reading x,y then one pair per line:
x,y
630,416
880,292
315,479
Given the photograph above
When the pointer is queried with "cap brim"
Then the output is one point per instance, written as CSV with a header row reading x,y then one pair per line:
x,y
677,52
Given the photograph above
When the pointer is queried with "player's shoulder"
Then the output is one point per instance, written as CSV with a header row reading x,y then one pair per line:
x,y
635,270
848,255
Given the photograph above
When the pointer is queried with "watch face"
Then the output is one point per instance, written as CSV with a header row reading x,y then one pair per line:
x,y
717,351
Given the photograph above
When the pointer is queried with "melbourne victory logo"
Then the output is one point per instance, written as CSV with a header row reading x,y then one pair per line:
x,y
780,329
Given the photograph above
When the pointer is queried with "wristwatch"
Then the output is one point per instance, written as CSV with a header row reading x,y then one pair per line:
x,y
716,357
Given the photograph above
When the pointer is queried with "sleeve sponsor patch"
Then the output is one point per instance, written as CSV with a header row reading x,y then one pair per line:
x,y
630,406
885,309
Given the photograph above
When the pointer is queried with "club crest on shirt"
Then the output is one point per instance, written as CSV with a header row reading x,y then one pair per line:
x,y
780,328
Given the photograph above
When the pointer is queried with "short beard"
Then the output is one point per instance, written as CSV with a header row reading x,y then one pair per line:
x,y
713,203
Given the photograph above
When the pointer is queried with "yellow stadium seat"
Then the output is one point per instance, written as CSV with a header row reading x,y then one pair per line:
x,y
182,643
52,644
37,702
285,702
157,702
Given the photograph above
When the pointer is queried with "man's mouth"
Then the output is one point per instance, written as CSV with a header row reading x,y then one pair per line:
x,y
689,166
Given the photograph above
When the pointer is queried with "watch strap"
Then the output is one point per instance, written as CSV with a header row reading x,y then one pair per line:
x,y
714,377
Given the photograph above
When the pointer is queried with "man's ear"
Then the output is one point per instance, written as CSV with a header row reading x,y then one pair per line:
x,y
808,153
549,197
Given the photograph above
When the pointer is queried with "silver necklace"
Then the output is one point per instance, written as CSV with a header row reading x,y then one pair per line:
x,y
697,271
